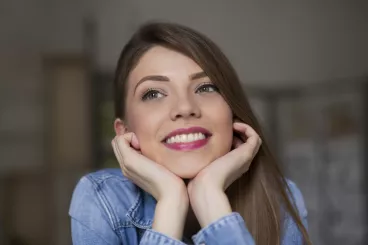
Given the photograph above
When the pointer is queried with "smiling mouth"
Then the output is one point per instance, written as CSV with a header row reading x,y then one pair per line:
x,y
187,139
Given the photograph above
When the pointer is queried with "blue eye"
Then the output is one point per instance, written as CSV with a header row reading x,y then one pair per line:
x,y
152,94
207,88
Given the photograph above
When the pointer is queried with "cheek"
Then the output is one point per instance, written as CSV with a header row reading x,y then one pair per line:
x,y
145,124
221,118
220,114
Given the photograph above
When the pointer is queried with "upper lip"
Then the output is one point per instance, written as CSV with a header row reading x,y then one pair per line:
x,y
190,130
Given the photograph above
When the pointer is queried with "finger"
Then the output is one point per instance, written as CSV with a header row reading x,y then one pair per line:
x,y
241,129
125,150
258,147
117,152
122,153
128,140
236,142
119,156
124,171
252,138
249,149
135,143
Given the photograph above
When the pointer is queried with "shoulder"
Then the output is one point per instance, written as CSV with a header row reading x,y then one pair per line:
x,y
102,179
296,197
292,233
105,194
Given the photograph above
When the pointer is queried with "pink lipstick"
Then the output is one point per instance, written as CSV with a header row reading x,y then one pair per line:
x,y
187,139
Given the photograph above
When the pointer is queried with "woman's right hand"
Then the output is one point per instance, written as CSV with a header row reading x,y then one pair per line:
x,y
168,189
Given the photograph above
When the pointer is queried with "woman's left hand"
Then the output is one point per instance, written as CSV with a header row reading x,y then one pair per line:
x,y
207,190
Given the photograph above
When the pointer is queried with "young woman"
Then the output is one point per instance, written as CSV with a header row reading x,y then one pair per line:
x,y
193,166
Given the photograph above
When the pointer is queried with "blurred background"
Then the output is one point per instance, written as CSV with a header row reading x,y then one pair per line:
x,y
304,65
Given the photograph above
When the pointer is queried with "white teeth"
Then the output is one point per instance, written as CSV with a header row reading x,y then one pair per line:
x,y
176,138
190,137
185,138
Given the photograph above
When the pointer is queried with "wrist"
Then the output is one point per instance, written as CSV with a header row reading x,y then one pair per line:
x,y
170,215
209,204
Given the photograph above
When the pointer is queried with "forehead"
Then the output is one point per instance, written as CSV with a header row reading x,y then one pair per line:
x,y
163,61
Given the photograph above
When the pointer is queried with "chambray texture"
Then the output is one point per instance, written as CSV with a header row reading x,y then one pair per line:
x,y
108,209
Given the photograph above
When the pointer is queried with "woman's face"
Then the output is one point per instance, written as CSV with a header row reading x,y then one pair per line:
x,y
176,112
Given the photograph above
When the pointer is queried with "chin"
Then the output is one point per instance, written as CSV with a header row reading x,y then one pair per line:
x,y
185,170
186,174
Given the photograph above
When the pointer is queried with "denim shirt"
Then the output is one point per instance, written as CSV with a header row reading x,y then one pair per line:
x,y
108,209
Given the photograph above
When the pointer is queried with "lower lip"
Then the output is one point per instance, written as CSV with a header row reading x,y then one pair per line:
x,y
188,146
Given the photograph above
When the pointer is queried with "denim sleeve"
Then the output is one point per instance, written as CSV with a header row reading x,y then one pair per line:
x,y
299,203
228,230
90,223
292,234
232,229
152,237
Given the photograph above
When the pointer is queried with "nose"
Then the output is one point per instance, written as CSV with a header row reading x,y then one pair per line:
x,y
185,108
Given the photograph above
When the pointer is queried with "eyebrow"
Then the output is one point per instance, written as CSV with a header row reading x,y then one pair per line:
x,y
198,75
159,78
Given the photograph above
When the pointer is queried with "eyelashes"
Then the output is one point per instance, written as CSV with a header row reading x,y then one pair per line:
x,y
154,93
207,87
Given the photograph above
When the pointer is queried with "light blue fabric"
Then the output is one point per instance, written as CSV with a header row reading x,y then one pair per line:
x,y
108,209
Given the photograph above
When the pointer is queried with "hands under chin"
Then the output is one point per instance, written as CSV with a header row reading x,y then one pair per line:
x,y
206,191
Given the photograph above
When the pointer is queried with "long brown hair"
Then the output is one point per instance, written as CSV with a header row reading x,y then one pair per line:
x,y
259,195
